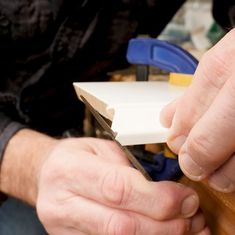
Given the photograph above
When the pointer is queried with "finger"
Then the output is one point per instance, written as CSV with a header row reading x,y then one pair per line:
x,y
198,223
110,151
107,150
205,231
224,179
167,113
213,71
93,218
104,149
211,141
125,188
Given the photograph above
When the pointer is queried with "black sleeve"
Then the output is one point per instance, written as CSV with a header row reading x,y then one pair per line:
x,y
8,128
21,29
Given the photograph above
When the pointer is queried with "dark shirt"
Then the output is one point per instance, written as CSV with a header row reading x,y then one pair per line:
x,y
45,45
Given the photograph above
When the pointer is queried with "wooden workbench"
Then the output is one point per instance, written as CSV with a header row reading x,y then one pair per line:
x,y
219,208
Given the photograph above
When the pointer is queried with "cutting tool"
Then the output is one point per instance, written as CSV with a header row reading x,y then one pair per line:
x,y
112,134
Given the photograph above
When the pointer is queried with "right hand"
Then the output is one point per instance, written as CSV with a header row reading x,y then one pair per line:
x,y
202,121
87,187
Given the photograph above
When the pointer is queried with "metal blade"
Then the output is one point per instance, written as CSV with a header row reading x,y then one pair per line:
x,y
107,128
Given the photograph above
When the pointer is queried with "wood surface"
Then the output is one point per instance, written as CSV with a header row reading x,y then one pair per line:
x,y
219,208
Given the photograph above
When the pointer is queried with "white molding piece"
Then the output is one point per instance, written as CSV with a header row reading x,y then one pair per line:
x,y
133,107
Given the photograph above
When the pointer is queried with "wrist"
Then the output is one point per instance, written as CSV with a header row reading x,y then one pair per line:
x,y
21,165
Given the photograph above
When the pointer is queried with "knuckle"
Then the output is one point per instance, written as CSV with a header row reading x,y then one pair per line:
x,y
167,206
118,224
113,145
114,188
200,148
198,144
110,143
214,67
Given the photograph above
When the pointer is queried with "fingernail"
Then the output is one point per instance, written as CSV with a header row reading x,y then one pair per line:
x,y
190,167
205,231
198,223
176,143
221,183
190,206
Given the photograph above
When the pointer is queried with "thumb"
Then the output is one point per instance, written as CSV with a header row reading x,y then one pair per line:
x,y
168,113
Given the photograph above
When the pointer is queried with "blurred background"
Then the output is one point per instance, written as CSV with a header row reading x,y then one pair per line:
x,y
193,27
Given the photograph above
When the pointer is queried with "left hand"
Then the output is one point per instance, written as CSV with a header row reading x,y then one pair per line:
x,y
202,121
86,186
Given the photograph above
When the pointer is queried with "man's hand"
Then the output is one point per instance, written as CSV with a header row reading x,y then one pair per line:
x,y
202,121
87,187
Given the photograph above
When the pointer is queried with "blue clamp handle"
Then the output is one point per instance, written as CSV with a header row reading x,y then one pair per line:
x,y
163,168
161,54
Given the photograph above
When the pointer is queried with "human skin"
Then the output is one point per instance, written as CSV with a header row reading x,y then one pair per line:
x,y
85,186
202,121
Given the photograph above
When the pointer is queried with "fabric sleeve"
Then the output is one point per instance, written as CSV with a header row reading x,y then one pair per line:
x,y
7,129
